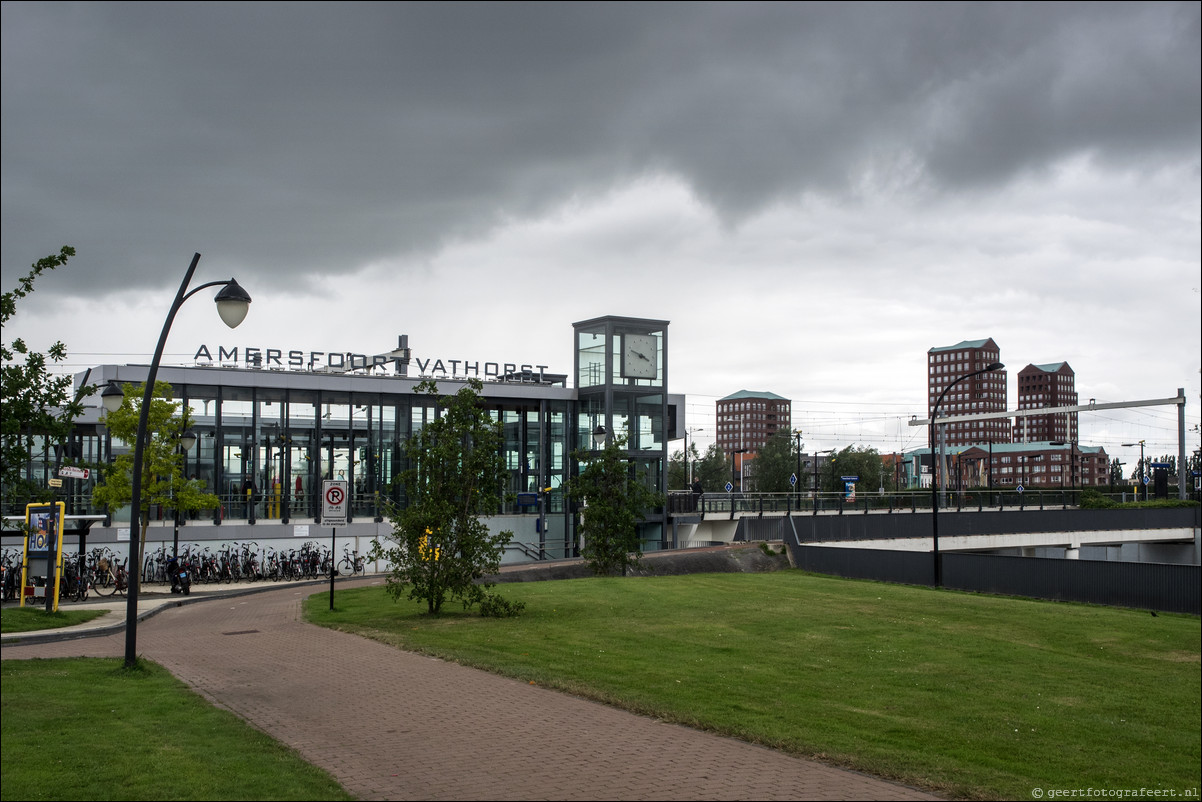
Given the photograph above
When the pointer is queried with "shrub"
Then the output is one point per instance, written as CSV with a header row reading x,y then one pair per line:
x,y
1093,500
495,606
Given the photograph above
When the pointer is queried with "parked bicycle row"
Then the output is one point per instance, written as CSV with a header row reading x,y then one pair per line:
x,y
99,572
104,573
247,562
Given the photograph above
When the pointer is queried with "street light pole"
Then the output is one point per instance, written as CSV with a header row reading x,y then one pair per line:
x,y
935,485
187,439
816,453
797,438
232,304
1143,486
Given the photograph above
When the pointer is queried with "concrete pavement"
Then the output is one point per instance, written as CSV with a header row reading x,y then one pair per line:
x,y
390,724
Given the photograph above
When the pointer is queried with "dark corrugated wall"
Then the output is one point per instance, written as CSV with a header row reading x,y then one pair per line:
x,y
1146,586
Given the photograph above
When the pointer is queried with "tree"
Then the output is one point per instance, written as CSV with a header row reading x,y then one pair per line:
x,y
713,471
36,404
1166,459
440,548
163,482
1116,472
679,468
864,462
775,463
615,500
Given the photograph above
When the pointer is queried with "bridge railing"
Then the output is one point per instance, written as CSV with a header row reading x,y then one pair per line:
x,y
738,504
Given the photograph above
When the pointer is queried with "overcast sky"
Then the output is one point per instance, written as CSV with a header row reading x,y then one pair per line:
x,y
814,195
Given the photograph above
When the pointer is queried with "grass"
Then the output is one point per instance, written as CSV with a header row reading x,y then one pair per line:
x,y
968,695
90,729
31,619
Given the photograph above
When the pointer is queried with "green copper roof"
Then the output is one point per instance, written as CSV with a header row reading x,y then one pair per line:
x,y
1012,448
964,344
752,394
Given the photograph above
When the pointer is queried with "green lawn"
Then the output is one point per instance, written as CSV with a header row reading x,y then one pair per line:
x,y
32,619
89,729
967,695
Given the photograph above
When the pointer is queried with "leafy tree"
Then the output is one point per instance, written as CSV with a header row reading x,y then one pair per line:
x,y
615,500
163,482
713,471
1167,459
679,469
1116,472
36,404
440,548
775,463
863,461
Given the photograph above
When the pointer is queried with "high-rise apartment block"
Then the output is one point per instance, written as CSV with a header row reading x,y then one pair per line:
x,y
747,419
984,393
1053,385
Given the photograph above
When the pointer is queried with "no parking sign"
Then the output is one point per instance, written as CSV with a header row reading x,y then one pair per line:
x,y
334,502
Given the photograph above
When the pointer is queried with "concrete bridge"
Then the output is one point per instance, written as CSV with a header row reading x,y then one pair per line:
x,y
1044,527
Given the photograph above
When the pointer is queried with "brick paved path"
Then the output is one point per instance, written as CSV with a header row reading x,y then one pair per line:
x,y
389,724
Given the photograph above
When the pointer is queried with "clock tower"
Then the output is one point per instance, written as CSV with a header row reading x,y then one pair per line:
x,y
621,369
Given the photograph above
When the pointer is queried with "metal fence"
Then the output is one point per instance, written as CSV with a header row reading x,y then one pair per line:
x,y
737,504
1147,586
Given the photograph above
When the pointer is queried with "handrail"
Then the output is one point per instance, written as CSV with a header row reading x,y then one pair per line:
x,y
735,504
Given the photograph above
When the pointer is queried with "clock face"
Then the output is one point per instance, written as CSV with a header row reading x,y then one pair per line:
x,y
639,357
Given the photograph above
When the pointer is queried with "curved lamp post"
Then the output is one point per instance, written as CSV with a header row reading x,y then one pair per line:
x,y
232,304
934,472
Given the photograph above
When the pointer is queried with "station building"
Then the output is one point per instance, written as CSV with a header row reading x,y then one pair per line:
x,y
278,422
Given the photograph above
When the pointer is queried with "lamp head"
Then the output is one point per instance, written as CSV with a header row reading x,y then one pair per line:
x,y
994,366
600,435
233,303
112,397
187,439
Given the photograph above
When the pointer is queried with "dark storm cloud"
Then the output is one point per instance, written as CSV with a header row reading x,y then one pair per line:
x,y
315,138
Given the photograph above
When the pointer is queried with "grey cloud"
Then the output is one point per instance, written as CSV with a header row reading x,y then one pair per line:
x,y
315,138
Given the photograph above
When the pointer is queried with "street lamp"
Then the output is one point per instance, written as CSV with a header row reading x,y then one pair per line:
x,y
233,302
797,437
1072,463
1143,486
112,396
934,484
187,439
816,453
737,473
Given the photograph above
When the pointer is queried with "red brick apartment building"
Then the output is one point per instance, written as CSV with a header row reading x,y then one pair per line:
x,y
1053,385
747,419
984,393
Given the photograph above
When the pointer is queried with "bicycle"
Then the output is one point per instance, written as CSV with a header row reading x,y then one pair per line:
x,y
12,573
351,565
104,578
154,569
251,568
75,583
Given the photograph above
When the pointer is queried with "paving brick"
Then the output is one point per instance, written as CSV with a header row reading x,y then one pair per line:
x,y
390,724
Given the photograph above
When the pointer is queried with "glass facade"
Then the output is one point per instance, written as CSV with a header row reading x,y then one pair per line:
x,y
267,438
